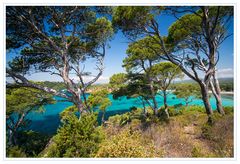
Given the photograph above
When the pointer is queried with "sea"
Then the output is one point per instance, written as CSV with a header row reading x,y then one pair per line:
x,y
48,121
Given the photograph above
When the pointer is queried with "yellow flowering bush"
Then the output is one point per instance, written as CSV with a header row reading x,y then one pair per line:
x,y
129,145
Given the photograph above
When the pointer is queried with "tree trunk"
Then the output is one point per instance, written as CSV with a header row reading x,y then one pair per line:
x,y
78,103
165,103
13,131
217,94
155,106
144,106
205,98
186,101
165,99
103,115
85,102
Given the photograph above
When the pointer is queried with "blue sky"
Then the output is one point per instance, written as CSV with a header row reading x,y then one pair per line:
x,y
116,53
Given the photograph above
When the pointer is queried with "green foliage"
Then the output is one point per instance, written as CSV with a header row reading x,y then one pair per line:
x,y
126,118
120,120
187,91
118,80
195,108
93,29
54,85
68,113
32,143
15,152
174,112
164,73
166,70
139,54
131,19
206,131
178,30
115,120
99,99
145,74
101,30
197,153
127,144
226,86
228,110
21,100
76,138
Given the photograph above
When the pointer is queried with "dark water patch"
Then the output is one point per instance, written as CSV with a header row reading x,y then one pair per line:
x,y
48,125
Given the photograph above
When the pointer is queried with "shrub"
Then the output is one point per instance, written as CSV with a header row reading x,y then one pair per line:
x,y
196,152
220,135
127,144
174,112
76,138
195,108
114,120
206,128
228,110
162,114
126,118
32,143
135,124
14,152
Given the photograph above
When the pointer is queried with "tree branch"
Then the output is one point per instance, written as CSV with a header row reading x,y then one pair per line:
x,y
27,83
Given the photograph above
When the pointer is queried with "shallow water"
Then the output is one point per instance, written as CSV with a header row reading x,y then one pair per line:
x,y
48,121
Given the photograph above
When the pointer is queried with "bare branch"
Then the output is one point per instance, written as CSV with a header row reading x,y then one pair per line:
x,y
27,83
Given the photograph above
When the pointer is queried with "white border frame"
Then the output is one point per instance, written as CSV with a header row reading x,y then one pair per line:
x,y
125,3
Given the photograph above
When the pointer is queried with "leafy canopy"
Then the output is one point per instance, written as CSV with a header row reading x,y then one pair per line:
x,y
75,138
78,30
99,99
21,100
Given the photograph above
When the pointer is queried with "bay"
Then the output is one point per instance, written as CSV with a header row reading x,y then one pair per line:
x,y
48,121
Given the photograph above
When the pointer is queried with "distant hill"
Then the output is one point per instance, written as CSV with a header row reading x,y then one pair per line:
x,y
226,84
224,80
221,80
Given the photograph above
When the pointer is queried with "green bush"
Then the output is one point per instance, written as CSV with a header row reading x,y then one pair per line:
x,y
228,110
15,152
120,120
76,138
127,144
32,143
126,118
206,128
196,152
115,120
195,108
174,112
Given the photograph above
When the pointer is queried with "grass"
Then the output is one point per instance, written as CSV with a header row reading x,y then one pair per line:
x,y
185,134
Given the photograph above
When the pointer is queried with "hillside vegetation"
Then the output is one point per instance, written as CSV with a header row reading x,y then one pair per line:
x,y
185,134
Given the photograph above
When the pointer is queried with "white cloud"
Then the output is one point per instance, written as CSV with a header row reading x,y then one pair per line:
x,y
221,73
101,79
224,73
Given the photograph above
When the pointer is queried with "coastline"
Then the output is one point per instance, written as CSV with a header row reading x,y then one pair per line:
x,y
224,92
227,93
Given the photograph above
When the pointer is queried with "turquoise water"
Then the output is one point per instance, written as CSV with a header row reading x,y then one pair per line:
x,y
48,121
